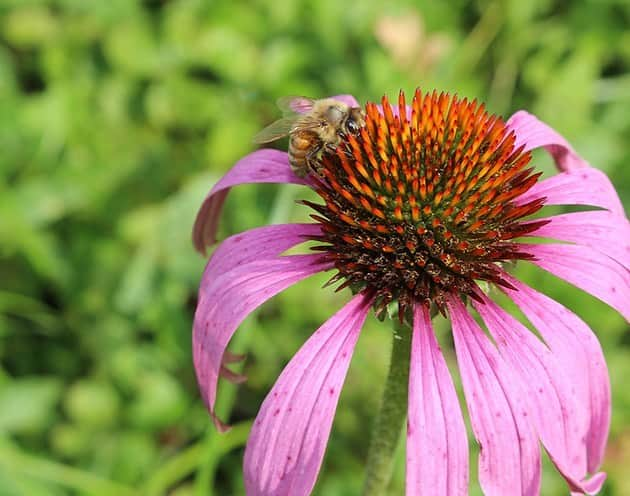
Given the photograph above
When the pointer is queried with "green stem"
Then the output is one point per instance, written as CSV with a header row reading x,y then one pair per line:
x,y
391,417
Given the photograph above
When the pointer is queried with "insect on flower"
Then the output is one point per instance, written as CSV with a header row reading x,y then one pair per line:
x,y
313,127
422,207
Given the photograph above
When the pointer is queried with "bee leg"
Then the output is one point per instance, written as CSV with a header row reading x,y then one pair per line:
x,y
333,149
330,147
312,158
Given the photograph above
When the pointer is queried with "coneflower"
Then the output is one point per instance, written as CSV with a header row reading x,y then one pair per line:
x,y
423,212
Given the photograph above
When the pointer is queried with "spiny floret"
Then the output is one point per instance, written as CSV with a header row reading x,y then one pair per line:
x,y
421,203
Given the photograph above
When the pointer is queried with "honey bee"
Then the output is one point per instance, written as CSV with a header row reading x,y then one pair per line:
x,y
313,127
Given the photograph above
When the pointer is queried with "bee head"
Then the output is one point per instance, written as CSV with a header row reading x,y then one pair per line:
x,y
356,120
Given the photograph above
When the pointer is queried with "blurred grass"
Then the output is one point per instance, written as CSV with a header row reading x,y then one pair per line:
x,y
117,117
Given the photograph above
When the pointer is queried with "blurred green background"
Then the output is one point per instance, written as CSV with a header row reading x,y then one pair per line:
x,y
116,117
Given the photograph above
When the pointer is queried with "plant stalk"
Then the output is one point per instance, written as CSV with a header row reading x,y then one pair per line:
x,y
391,417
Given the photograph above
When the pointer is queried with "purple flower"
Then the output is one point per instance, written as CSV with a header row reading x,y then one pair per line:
x,y
418,210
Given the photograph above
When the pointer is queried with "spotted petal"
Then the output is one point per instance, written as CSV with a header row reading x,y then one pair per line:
x,y
587,269
287,442
437,446
533,133
509,459
561,420
600,230
576,187
578,352
244,272
262,166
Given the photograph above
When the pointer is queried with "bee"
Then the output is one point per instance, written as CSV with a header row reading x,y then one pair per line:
x,y
313,127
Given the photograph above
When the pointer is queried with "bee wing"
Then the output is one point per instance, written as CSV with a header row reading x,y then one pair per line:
x,y
275,130
295,104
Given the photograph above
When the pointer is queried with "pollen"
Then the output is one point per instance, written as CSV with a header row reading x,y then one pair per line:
x,y
421,204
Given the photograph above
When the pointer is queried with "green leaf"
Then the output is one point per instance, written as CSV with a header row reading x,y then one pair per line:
x,y
28,404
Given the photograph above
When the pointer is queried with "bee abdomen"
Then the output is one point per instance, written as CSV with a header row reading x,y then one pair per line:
x,y
300,145
298,165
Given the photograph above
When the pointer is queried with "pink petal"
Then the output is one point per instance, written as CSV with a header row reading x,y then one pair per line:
x,y
509,460
347,99
579,353
287,442
593,486
598,229
263,242
587,269
245,271
262,166
560,417
437,445
302,104
576,187
533,133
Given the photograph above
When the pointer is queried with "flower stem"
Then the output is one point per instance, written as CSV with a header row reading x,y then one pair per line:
x,y
391,417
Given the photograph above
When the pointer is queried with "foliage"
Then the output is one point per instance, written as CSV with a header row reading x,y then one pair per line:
x,y
116,117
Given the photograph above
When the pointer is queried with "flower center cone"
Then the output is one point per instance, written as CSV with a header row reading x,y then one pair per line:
x,y
422,203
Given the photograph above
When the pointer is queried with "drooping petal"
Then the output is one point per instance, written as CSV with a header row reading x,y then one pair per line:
x,y
262,166
561,420
245,271
578,183
578,352
587,269
509,459
533,133
437,445
260,243
592,486
288,440
599,229
587,186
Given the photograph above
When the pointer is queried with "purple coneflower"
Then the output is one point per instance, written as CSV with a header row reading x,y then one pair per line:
x,y
422,209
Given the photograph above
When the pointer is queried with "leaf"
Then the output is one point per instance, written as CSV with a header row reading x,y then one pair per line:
x,y
28,404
